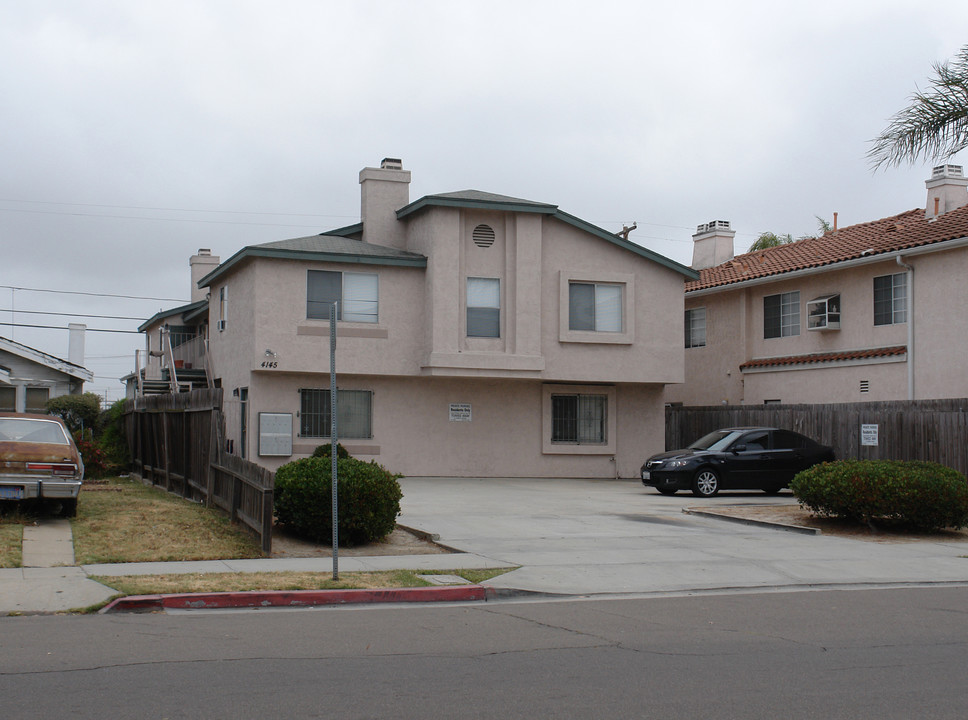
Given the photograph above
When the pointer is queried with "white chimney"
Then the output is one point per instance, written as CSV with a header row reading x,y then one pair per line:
x,y
947,190
383,191
712,244
201,264
75,343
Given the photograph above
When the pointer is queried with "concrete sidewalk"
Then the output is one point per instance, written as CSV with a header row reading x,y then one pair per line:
x,y
569,537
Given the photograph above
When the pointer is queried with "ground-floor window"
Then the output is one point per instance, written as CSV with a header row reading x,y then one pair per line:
x,y
354,417
36,400
579,418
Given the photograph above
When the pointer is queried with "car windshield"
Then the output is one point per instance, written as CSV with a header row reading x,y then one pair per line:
x,y
30,430
716,441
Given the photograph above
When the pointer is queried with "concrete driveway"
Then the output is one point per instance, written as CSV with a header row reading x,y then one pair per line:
x,y
616,536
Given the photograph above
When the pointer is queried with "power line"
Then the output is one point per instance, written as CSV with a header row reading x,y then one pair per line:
x,y
65,314
77,292
161,219
58,327
171,209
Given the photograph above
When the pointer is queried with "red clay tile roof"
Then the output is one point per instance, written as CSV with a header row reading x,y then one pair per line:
x,y
825,357
900,232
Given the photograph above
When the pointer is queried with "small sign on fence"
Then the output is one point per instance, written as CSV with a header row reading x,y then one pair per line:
x,y
868,435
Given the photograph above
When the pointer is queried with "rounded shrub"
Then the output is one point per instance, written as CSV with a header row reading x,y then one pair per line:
x,y
325,451
923,495
368,502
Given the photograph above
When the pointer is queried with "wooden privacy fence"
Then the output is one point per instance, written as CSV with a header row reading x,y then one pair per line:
x,y
177,442
935,430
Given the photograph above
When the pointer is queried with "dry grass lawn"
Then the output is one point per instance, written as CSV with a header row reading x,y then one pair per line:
x,y
11,537
239,582
122,520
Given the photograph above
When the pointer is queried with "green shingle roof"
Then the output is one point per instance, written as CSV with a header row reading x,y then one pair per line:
x,y
321,248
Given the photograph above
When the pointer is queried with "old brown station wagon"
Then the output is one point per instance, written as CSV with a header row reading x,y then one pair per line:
x,y
39,461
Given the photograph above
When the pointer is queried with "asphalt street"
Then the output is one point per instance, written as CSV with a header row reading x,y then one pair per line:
x,y
886,654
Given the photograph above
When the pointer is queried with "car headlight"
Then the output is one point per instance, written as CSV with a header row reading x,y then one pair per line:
x,y
678,463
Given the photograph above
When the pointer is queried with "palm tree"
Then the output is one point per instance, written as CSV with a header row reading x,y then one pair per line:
x,y
934,126
770,239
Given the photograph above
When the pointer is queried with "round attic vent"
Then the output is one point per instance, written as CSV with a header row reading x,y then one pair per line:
x,y
483,236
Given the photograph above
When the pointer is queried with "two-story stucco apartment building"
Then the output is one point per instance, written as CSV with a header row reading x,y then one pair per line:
x,y
478,335
870,312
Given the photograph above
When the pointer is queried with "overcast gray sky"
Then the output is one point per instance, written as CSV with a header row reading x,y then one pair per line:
x,y
133,133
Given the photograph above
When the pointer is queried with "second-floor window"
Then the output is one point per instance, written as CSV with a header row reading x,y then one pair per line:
x,y
223,306
890,299
595,306
696,327
483,307
781,315
356,293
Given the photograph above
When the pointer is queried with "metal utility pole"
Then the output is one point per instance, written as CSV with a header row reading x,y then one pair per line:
x,y
332,434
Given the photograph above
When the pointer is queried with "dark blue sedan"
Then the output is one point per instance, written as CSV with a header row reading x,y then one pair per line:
x,y
741,458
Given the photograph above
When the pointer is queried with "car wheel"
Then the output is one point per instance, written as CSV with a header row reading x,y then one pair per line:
x,y
773,489
68,508
667,490
706,483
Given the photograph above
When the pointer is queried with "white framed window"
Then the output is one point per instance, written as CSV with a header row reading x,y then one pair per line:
x,y
483,307
356,293
595,307
696,327
890,299
354,413
781,315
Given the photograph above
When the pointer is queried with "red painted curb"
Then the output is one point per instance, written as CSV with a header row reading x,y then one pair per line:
x,y
298,598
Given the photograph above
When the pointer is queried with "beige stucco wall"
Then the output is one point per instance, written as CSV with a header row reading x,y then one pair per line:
x,y
413,433
734,327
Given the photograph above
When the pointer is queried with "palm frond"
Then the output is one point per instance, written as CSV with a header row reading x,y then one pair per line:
x,y
934,126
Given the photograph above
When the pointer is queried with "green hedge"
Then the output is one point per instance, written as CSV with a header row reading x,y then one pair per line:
x,y
369,500
923,495
326,451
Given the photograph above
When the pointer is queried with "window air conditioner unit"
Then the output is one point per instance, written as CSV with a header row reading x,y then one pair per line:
x,y
823,313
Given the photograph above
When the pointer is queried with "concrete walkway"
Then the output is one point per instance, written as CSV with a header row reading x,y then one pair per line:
x,y
48,580
577,537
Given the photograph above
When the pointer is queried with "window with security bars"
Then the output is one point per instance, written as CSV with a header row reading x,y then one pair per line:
x,y
890,299
781,315
696,327
356,293
579,419
354,413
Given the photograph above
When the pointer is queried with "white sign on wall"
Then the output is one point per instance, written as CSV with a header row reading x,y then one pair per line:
x,y
868,435
275,434
460,412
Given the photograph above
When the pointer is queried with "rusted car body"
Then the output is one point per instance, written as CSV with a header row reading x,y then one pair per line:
x,y
39,461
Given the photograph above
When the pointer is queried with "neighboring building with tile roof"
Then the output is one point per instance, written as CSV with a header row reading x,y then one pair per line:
x,y
478,335
874,311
